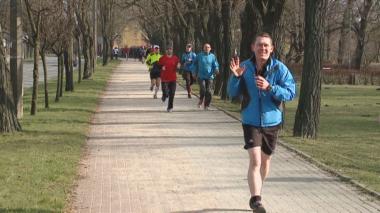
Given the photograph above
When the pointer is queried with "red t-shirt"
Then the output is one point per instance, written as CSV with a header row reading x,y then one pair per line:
x,y
170,63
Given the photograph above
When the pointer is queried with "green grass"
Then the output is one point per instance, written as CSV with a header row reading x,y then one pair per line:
x,y
39,165
349,133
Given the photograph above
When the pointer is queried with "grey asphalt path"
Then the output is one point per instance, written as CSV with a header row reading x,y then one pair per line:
x,y
142,159
52,69
51,64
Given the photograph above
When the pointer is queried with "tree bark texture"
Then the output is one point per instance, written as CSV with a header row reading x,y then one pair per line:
x,y
227,44
271,12
46,91
308,110
16,59
58,92
68,60
79,59
8,111
345,35
33,107
360,30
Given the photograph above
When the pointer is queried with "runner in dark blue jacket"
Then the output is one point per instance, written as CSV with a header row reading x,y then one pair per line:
x,y
187,62
263,83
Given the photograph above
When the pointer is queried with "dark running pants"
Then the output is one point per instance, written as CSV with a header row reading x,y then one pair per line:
x,y
206,89
168,90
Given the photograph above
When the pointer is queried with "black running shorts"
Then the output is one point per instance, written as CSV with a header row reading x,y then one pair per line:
x,y
266,137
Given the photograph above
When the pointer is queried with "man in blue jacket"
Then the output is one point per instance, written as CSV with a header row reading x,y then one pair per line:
x,y
263,83
205,69
187,62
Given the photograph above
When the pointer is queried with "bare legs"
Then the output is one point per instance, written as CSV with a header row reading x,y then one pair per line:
x,y
155,84
258,170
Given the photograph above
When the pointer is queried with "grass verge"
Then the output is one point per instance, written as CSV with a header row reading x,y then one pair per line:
x,y
38,165
349,133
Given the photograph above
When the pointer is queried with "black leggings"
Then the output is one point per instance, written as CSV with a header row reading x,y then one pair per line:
x,y
188,76
168,90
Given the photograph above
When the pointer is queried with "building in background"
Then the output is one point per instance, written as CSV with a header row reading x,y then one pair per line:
x,y
132,36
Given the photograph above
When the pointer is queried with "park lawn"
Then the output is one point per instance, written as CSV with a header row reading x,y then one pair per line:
x,y
38,166
349,134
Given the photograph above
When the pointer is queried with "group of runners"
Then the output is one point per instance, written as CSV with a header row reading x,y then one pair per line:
x,y
262,82
201,67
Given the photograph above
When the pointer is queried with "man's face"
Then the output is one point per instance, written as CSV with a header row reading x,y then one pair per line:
x,y
207,48
262,48
188,48
156,50
169,51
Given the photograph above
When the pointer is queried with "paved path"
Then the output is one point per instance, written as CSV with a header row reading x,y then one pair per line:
x,y
51,63
143,159
52,66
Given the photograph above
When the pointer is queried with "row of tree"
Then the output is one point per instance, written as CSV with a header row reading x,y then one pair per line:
x,y
304,31
65,28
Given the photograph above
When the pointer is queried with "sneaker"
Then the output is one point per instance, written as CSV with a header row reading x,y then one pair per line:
x,y
200,103
206,108
256,207
189,95
154,96
170,110
151,88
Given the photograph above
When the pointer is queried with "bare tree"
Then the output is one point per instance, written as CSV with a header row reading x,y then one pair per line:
x,y
36,10
294,20
344,34
58,41
360,27
82,16
308,110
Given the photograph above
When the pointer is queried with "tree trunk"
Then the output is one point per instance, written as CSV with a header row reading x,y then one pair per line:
x,y
61,75
271,12
79,60
92,56
250,25
94,35
68,55
43,58
8,111
16,59
87,64
59,70
308,110
361,33
296,35
227,43
214,31
345,34
105,51
33,108
326,56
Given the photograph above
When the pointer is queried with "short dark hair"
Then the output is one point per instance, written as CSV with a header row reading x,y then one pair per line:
x,y
263,34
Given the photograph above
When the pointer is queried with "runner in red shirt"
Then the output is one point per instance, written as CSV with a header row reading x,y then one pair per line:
x,y
169,63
